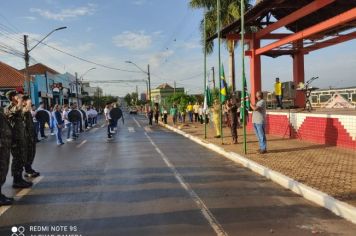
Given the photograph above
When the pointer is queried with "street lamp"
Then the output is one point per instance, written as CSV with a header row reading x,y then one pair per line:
x,y
81,79
148,76
27,56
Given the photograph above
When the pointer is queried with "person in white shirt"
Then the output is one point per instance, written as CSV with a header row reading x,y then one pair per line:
x,y
108,120
67,123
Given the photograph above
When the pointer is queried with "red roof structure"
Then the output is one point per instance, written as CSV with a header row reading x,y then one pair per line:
x,y
40,69
10,77
310,25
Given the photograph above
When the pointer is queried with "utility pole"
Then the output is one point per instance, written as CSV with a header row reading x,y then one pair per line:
x,y
149,82
174,87
27,63
77,90
212,68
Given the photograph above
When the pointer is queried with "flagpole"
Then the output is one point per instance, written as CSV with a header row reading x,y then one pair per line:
x,y
242,7
205,98
219,56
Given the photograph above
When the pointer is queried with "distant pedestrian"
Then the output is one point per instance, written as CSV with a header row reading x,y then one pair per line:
x,y
174,113
196,112
190,112
216,117
67,123
259,121
156,113
201,114
150,115
278,93
35,122
42,122
232,107
165,115
58,123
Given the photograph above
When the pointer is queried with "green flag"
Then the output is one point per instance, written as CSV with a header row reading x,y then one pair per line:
x,y
208,99
223,91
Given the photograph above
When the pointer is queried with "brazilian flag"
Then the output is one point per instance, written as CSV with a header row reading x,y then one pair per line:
x,y
223,90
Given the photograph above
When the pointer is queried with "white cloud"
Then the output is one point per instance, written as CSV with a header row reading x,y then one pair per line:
x,y
30,18
65,14
158,58
132,40
139,2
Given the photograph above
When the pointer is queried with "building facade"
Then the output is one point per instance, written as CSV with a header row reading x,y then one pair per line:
x,y
162,92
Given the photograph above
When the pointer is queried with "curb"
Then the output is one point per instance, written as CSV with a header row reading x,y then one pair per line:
x,y
322,199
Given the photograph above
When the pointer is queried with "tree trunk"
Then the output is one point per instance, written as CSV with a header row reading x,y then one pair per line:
x,y
231,48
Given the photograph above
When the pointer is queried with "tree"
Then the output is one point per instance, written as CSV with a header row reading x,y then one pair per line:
x,y
128,99
230,12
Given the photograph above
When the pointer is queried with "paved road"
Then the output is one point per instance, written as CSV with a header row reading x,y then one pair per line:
x,y
150,181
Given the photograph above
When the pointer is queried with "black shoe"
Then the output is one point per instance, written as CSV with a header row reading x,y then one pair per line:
x,y
6,201
32,174
22,184
217,136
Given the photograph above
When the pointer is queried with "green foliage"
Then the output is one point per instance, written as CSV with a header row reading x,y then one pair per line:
x,y
230,12
181,100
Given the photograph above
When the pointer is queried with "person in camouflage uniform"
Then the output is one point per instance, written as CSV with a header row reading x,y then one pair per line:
x,y
30,145
14,115
5,147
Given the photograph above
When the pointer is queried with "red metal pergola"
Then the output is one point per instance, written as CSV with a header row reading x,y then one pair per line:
x,y
314,24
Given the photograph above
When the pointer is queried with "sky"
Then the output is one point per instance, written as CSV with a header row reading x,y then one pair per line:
x,y
162,33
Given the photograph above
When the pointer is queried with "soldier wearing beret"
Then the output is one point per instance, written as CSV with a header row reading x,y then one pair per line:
x,y
30,145
14,115
5,147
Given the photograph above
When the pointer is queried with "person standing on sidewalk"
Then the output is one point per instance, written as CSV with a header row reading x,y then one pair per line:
x,y
156,113
232,107
58,123
150,115
200,114
14,115
278,93
216,117
196,112
30,139
174,113
190,112
5,148
259,121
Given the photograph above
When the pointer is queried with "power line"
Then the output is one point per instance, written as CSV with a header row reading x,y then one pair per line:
x,y
88,61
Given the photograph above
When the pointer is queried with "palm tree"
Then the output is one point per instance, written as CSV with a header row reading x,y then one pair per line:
x,y
230,12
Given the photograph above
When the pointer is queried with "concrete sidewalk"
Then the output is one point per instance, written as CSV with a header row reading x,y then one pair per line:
x,y
329,169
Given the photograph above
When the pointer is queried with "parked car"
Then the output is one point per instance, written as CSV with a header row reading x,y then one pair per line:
x,y
133,110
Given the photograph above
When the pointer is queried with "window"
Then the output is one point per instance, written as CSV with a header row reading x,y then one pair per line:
x,y
324,98
314,99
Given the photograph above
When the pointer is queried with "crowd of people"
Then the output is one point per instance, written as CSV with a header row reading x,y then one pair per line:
x,y
231,116
21,124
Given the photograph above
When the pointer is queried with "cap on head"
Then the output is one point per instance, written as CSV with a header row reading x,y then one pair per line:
x,y
10,94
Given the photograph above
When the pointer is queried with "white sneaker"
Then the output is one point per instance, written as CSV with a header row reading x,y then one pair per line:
x,y
69,140
52,134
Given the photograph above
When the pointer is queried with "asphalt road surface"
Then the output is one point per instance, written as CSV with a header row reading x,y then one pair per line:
x,y
150,181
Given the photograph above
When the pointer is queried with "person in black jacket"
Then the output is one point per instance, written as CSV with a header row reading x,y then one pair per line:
x,y
58,123
30,139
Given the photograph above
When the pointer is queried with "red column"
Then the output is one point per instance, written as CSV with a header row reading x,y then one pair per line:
x,y
255,68
298,74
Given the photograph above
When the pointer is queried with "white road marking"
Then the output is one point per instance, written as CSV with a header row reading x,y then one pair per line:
x,y
81,144
138,124
20,195
131,129
94,130
148,129
199,202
